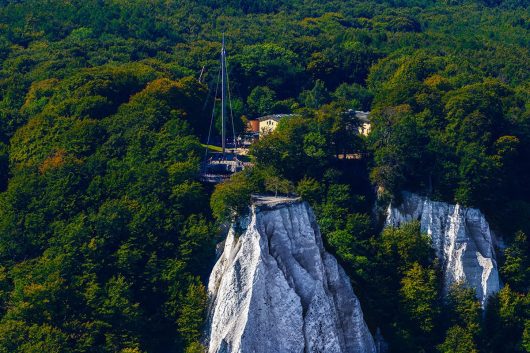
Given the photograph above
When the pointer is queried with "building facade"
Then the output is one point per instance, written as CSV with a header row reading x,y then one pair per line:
x,y
364,122
268,123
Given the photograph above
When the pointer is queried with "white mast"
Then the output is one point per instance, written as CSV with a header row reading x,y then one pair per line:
x,y
223,95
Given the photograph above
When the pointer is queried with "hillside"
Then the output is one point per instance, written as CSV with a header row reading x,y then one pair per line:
x,y
107,235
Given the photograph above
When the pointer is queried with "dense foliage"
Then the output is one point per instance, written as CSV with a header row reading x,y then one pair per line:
x,y
106,235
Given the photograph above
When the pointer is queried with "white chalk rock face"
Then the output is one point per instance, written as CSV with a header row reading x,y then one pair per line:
x,y
461,238
275,289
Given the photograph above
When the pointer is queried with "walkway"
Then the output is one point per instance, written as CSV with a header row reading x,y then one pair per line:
x,y
266,200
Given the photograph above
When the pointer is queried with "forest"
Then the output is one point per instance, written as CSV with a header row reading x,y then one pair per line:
x,y
107,235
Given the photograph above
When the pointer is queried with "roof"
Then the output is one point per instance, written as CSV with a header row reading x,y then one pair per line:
x,y
275,117
359,114
362,116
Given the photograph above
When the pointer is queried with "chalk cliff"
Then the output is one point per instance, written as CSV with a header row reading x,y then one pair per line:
x,y
461,238
275,289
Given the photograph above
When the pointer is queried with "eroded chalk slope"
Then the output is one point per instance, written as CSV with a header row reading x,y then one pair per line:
x,y
275,289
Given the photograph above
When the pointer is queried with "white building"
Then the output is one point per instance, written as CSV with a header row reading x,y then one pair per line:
x,y
268,123
364,126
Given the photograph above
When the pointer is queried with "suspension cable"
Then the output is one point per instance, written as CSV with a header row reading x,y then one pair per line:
x,y
231,111
213,115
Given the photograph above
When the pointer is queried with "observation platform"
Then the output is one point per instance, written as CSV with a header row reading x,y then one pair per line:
x,y
272,201
219,167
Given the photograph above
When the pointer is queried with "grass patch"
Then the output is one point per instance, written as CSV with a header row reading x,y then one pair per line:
x,y
212,148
